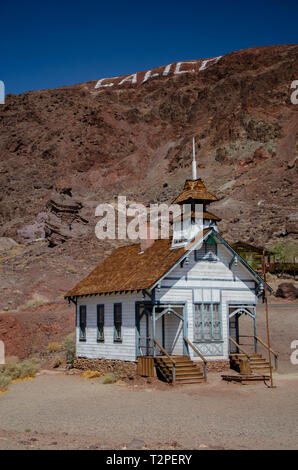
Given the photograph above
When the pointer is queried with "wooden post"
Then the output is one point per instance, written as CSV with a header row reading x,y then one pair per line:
x,y
267,318
255,333
153,328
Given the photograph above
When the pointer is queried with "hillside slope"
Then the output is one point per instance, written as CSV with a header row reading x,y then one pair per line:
x,y
63,151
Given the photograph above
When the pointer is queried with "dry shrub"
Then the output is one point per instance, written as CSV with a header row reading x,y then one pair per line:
x,y
90,374
57,362
54,346
4,381
109,378
69,343
28,369
14,369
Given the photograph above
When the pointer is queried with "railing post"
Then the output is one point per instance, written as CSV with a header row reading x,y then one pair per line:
x,y
255,334
153,321
205,370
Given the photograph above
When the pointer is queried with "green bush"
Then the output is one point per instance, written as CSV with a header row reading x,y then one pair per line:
x,y
19,370
28,369
109,378
4,381
284,252
69,343
12,368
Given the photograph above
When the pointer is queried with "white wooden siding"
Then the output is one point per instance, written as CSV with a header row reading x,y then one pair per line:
x,y
197,281
108,349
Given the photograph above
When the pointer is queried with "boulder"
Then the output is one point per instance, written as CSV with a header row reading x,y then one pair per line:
x,y
287,290
7,243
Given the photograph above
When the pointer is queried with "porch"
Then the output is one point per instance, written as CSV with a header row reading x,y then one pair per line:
x,y
248,352
163,346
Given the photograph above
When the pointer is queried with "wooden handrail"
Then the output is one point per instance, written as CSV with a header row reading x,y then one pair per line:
x,y
164,351
199,354
240,348
266,346
269,349
168,356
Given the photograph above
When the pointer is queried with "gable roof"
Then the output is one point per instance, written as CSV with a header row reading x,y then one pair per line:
x,y
126,269
242,261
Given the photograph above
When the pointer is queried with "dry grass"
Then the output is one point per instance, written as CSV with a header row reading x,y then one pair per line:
x,y
109,378
90,374
16,371
5,380
54,346
24,379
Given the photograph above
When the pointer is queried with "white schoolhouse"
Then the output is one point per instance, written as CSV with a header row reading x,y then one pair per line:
x,y
175,301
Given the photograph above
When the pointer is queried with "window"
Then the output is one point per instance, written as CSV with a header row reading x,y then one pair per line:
x,y
117,322
100,322
207,252
82,323
207,322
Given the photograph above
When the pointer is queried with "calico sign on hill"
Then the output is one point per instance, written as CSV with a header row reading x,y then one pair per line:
x,y
177,68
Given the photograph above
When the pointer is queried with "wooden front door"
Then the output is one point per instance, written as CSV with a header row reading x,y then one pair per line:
x,y
234,330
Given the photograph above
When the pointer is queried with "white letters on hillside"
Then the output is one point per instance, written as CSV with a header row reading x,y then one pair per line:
x,y
178,65
142,77
166,70
99,83
205,62
131,78
149,74
294,95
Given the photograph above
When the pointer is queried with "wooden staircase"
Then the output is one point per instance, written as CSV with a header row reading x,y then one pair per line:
x,y
258,364
185,371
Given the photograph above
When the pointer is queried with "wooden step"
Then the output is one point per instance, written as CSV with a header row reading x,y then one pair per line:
x,y
191,380
186,370
187,373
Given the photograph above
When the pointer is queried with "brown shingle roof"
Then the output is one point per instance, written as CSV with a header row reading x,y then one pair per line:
x,y
127,270
195,189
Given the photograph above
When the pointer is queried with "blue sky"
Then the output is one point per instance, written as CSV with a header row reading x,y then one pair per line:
x,y
46,44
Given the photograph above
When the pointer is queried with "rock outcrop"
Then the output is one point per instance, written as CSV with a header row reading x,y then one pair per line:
x,y
287,290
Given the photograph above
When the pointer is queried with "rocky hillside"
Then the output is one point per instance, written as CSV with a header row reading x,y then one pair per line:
x,y
63,151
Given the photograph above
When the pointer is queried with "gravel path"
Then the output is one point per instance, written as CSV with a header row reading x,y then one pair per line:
x,y
214,414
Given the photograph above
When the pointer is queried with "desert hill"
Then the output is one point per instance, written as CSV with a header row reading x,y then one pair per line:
x,y
63,151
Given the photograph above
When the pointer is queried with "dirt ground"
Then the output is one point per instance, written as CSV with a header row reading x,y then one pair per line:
x,y
68,412
61,411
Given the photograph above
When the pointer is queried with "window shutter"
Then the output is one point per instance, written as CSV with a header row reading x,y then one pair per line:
x,y
118,322
83,320
100,322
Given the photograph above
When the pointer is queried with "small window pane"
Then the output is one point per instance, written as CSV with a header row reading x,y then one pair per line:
x,y
118,321
198,324
216,322
207,322
82,322
100,322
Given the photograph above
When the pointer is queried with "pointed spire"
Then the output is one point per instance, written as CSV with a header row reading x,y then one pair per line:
x,y
194,164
